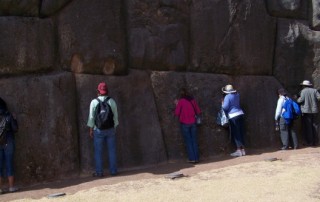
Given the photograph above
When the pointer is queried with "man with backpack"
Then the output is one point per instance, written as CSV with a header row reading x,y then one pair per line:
x,y
308,99
102,121
284,117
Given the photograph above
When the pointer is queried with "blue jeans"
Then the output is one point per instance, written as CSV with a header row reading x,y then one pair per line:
x,y
237,130
6,158
100,138
189,132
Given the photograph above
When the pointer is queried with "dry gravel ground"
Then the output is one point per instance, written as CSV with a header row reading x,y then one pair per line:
x,y
294,176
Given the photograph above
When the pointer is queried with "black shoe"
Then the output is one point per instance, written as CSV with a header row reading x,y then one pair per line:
x,y
283,148
97,175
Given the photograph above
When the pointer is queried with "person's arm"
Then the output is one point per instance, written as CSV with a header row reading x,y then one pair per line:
x,y
91,132
14,123
90,122
278,109
301,98
318,95
225,103
196,107
114,109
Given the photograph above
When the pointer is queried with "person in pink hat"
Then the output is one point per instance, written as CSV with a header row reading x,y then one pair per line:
x,y
308,100
105,133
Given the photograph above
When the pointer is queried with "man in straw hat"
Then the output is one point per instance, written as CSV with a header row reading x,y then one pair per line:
x,y
309,108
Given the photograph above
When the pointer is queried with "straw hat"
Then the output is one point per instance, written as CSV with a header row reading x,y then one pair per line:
x,y
228,89
306,83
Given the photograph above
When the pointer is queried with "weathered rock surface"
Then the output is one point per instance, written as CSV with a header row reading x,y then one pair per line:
x,y
233,37
27,45
31,8
47,142
315,15
51,7
91,37
297,9
158,34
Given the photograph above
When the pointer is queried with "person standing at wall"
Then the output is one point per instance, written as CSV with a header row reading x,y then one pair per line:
x,y
186,109
102,135
231,105
308,100
285,126
7,145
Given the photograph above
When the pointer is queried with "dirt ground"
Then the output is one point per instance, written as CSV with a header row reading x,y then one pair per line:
x,y
292,175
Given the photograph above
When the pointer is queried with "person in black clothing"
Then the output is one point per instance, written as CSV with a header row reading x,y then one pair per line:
x,y
7,146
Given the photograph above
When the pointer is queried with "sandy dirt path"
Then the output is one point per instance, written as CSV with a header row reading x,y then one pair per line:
x,y
295,176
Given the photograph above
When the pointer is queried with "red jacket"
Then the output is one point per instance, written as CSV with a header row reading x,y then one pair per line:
x,y
186,110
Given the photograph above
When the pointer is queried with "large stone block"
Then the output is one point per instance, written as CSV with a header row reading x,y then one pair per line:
x,y
139,137
258,99
47,142
297,9
31,8
296,53
51,7
158,34
92,37
315,15
26,45
28,8
233,37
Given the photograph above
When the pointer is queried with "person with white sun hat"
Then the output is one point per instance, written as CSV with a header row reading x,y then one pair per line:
x,y
308,100
231,105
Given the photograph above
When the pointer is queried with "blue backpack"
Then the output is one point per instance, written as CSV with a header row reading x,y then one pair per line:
x,y
291,110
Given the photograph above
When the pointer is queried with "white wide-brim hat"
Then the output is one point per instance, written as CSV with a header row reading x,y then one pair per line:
x,y
306,83
228,89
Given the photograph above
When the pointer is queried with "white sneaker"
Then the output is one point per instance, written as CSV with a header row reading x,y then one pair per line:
x,y
243,152
13,189
238,153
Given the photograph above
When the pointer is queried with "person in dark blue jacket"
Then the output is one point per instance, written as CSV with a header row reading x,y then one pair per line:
x,y
7,146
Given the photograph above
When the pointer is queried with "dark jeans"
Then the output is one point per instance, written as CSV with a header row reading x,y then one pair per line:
x,y
287,131
310,132
189,132
237,130
100,138
6,158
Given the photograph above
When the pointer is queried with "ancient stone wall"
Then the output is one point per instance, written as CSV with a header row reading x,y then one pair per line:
x,y
53,53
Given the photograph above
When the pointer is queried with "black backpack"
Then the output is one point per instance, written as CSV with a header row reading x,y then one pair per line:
x,y
104,115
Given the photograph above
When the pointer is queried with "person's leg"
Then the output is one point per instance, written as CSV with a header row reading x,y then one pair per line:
x,y
238,131
284,135
9,154
314,138
188,142
293,136
242,134
1,167
307,125
234,130
112,151
194,142
98,139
